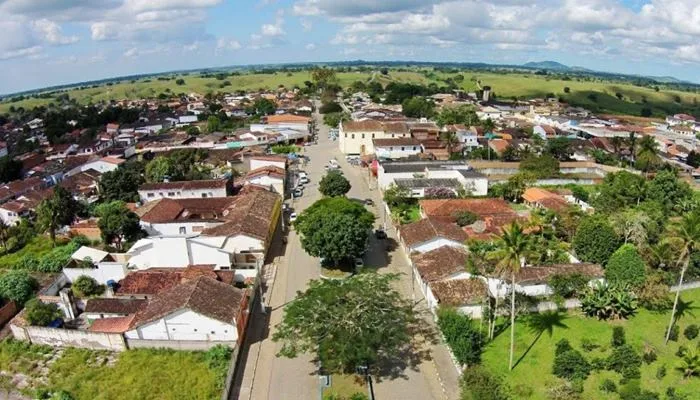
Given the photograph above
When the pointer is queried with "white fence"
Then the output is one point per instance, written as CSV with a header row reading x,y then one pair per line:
x,y
69,338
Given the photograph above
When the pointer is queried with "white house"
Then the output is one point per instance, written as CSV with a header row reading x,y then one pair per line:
x,y
186,120
488,112
270,160
471,180
270,177
98,308
395,148
101,165
429,234
357,137
184,189
12,212
202,309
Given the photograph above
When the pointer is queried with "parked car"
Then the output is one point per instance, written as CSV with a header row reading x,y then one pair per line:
x,y
292,217
369,202
380,234
303,180
298,192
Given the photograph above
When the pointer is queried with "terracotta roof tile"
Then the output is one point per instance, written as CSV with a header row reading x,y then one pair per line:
x,y
458,292
440,263
114,305
112,325
407,141
187,185
428,229
540,274
269,170
363,126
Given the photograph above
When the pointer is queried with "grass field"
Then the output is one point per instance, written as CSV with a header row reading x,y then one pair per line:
x,y
504,85
37,247
134,374
532,374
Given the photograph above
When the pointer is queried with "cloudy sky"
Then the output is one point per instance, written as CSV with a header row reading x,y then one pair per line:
x,y
48,42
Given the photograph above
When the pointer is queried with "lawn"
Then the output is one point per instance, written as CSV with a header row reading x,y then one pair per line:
x,y
37,247
344,386
134,374
532,374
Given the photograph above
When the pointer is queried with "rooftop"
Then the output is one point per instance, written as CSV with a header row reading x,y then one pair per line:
x,y
428,229
186,185
363,126
405,141
155,280
114,305
457,292
421,183
440,263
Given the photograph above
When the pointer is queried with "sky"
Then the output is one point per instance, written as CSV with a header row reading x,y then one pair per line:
x,y
50,42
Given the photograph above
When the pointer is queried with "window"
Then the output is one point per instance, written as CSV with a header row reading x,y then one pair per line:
x,y
353,136
346,135
173,329
171,194
373,136
160,194
363,136
393,135
150,195
183,230
195,329
213,333
204,195
414,147
402,148
211,194
225,331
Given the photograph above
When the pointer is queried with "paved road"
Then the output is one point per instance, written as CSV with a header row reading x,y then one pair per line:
x,y
263,375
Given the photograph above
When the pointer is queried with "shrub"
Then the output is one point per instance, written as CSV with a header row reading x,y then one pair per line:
x,y
17,286
608,302
562,346
691,331
567,285
588,345
462,335
681,351
674,333
631,372
562,391
465,218
333,184
599,364
661,372
618,336
85,286
626,267
649,356
479,384
41,314
672,395
623,357
595,240
571,365
653,295
608,386
523,391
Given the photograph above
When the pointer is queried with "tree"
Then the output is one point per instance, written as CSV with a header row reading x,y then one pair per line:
x,y
418,107
478,383
559,148
516,185
334,184
571,365
56,211
4,234
511,249
118,224
626,267
465,218
85,286
668,190
334,119
160,168
330,107
463,336
544,166
359,321
620,190
686,232
335,229
262,106
213,124
689,365
595,240
10,169
464,114
632,225
396,195
123,183
41,314
17,286
693,159
450,140
179,81
323,77
648,154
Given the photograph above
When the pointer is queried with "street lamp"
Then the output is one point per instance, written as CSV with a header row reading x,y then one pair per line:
x,y
364,371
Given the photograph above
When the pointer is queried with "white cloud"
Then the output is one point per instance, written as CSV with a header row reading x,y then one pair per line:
x,y
310,46
33,51
52,32
306,24
227,44
275,29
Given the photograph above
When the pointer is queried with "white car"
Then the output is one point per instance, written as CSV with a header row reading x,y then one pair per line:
x,y
298,192
303,180
292,217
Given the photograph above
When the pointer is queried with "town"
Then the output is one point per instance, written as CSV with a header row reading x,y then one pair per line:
x,y
361,241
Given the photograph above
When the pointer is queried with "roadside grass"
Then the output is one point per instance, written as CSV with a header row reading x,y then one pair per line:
x,y
137,374
37,247
643,331
344,386
21,357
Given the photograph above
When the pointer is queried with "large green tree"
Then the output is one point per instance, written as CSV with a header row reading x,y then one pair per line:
x,y
41,314
687,233
10,169
619,190
359,321
595,240
648,154
335,229
56,211
159,169
626,267
17,285
559,148
122,183
418,107
668,190
118,224
544,166
464,114
334,184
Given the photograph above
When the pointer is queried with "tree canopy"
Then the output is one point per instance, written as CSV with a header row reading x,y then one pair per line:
x,y
595,240
544,166
626,266
122,183
56,211
41,314
118,224
359,321
334,228
418,107
334,184
17,286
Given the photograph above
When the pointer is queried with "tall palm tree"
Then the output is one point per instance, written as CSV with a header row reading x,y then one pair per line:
x,y
648,154
616,143
686,232
632,144
512,247
450,140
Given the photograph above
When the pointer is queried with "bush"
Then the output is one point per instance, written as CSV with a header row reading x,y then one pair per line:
x,y
595,240
691,331
563,391
599,364
608,302
672,395
562,346
631,372
41,314
653,295
674,333
465,218
567,285
331,107
661,372
623,357
462,335
608,386
571,365
649,356
333,184
85,286
479,384
626,267
681,351
17,286
588,345
618,336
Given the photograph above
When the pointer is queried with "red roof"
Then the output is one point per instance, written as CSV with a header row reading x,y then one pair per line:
x,y
112,325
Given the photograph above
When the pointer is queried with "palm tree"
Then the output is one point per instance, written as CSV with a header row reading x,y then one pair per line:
x,y
512,247
632,144
450,140
616,143
488,126
686,232
690,364
648,154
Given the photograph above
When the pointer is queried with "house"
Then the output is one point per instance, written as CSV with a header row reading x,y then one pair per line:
x,y
185,189
395,148
148,283
425,131
84,186
540,198
680,119
428,234
112,128
185,120
683,130
97,308
36,123
12,212
470,180
492,214
234,233
256,162
269,176
356,137
544,131
467,137
203,309
101,165
422,187
498,145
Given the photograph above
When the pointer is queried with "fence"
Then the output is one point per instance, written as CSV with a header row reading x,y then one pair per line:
x,y
8,311
70,338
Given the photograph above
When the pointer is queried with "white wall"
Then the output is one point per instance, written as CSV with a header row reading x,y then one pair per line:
x,y
385,180
177,252
104,272
268,181
242,243
150,195
98,165
9,217
185,325
255,164
352,142
434,244
395,152
173,229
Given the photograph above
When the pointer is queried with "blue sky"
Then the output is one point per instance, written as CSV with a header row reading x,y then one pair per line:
x,y
48,42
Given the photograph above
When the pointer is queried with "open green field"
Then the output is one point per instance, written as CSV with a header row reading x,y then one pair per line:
x,y
134,374
535,349
504,85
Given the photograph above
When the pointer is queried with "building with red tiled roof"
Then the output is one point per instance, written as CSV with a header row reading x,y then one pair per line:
x,y
541,198
428,234
271,177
